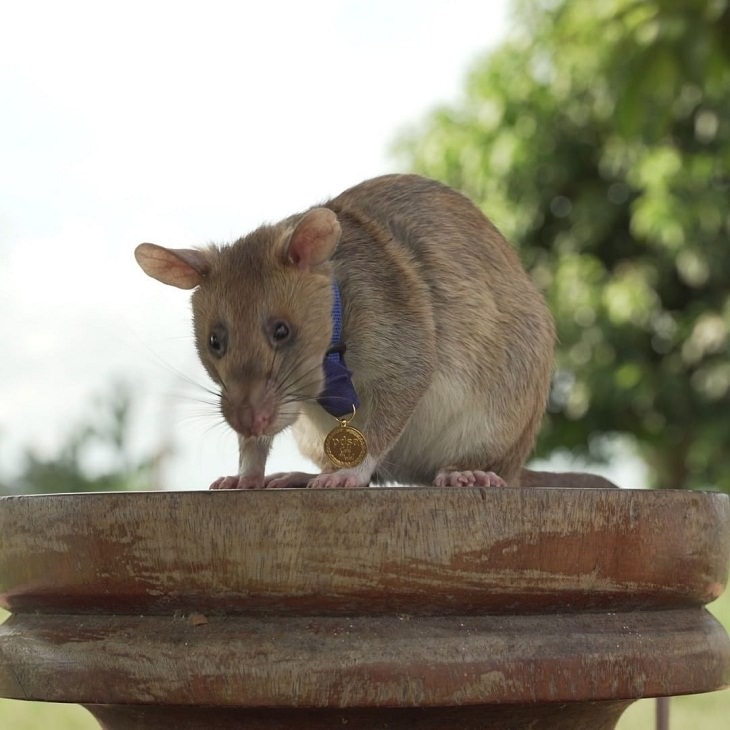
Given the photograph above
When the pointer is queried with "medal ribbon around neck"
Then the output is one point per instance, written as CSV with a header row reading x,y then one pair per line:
x,y
345,446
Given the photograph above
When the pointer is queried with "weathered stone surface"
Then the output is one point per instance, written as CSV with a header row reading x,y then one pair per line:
x,y
464,607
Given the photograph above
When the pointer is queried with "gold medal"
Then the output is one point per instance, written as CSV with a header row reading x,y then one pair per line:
x,y
344,445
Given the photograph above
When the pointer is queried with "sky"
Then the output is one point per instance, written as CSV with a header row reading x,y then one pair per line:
x,y
182,124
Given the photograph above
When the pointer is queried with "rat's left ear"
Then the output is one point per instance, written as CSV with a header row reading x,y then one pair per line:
x,y
180,267
314,239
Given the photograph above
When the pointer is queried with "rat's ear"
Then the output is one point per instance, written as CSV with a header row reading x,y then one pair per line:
x,y
180,267
314,239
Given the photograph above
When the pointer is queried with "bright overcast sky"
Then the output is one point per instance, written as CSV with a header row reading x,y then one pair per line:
x,y
182,123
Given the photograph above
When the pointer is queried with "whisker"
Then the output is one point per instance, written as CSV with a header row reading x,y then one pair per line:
x,y
180,374
216,426
183,398
203,410
285,375
299,383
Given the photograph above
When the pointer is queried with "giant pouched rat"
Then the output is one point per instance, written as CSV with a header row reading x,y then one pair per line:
x,y
448,341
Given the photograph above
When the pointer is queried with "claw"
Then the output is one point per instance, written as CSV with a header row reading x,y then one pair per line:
x,y
476,478
238,482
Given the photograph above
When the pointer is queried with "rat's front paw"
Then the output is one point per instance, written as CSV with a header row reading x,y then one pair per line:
x,y
288,480
357,476
476,478
341,479
238,482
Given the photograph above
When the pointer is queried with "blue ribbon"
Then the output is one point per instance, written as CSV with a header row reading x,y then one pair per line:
x,y
338,396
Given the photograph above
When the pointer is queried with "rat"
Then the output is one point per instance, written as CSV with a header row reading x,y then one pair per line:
x,y
396,309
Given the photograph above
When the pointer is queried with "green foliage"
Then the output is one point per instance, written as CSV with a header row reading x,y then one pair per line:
x,y
104,439
598,140
20,715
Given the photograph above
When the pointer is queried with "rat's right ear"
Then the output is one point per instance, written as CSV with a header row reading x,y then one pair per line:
x,y
314,239
184,268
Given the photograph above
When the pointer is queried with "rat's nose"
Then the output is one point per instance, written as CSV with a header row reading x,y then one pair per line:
x,y
250,420
250,409
260,420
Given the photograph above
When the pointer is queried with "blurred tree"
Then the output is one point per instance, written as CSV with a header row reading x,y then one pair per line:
x,y
598,140
95,456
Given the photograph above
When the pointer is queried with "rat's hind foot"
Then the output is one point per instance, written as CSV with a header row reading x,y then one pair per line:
x,y
476,478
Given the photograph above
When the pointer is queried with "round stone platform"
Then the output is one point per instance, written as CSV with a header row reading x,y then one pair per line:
x,y
370,608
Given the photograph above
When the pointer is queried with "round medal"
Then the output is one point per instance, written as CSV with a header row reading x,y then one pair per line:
x,y
345,446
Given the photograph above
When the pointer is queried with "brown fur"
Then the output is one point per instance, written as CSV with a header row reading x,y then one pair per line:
x,y
449,341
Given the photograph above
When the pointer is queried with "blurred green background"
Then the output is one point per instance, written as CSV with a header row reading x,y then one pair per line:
x,y
598,139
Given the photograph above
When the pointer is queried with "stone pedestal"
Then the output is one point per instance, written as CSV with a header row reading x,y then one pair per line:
x,y
369,608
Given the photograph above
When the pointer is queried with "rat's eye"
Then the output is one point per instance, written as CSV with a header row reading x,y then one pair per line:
x,y
280,332
218,341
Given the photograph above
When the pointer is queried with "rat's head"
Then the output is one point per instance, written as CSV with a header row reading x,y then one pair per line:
x,y
261,313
